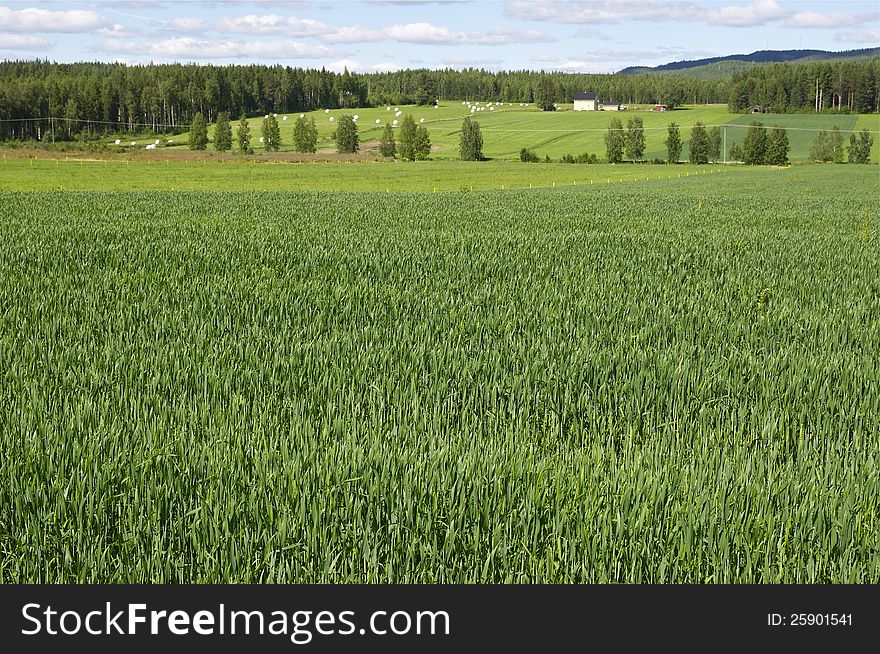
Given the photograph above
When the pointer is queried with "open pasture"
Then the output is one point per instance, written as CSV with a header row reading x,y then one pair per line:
x,y
509,128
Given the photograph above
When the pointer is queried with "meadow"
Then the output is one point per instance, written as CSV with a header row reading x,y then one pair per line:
x,y
672,380
509,128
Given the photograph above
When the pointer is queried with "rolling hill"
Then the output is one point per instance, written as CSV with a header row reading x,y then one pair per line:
x,y
724,66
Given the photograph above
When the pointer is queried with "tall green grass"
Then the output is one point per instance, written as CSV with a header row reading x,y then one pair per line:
x,y
613,385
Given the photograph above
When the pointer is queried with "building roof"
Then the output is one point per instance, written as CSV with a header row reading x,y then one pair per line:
x,y
586,96
607,102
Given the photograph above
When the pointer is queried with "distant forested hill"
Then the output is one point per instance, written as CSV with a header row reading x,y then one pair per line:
x,y
718,66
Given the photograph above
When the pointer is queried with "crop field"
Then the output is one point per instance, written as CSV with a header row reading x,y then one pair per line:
x,y
509,128
673,380
230,173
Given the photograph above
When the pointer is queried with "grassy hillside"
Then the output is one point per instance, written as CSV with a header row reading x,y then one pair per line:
x,y
509,128
506,129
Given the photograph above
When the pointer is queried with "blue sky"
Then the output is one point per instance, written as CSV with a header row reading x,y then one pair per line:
x,y
366,36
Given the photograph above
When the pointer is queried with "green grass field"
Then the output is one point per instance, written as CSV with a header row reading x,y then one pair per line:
x,y
381,176
509,128
801,134
651,381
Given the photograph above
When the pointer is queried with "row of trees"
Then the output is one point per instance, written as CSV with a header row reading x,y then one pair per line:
x,y
760,145
44,100
414,142
828,146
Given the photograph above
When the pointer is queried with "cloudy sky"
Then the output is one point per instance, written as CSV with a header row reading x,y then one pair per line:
x,y
588,36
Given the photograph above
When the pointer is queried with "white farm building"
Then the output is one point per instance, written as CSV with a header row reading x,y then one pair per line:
x,y
586,101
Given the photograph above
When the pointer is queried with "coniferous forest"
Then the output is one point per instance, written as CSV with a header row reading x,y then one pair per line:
x,y
87,98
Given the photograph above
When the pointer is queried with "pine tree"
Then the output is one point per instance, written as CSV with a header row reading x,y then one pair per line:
x,y
699,149
222,133
777,147
754,146
614,141
347,141
635,139
673,144
470,145
387,146
243,136
271,134
406,143
423,143
305,135
198,133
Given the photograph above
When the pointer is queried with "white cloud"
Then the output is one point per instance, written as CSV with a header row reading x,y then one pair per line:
x,y
22,42
545,58
386,67
185,47
600,12
355,34
271,24
748,15
118,31
418,2
342,64
869,38
428,34
32,19
189,24
735,14
811,19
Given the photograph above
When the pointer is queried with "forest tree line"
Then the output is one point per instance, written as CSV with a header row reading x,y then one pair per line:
x,y
164,98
